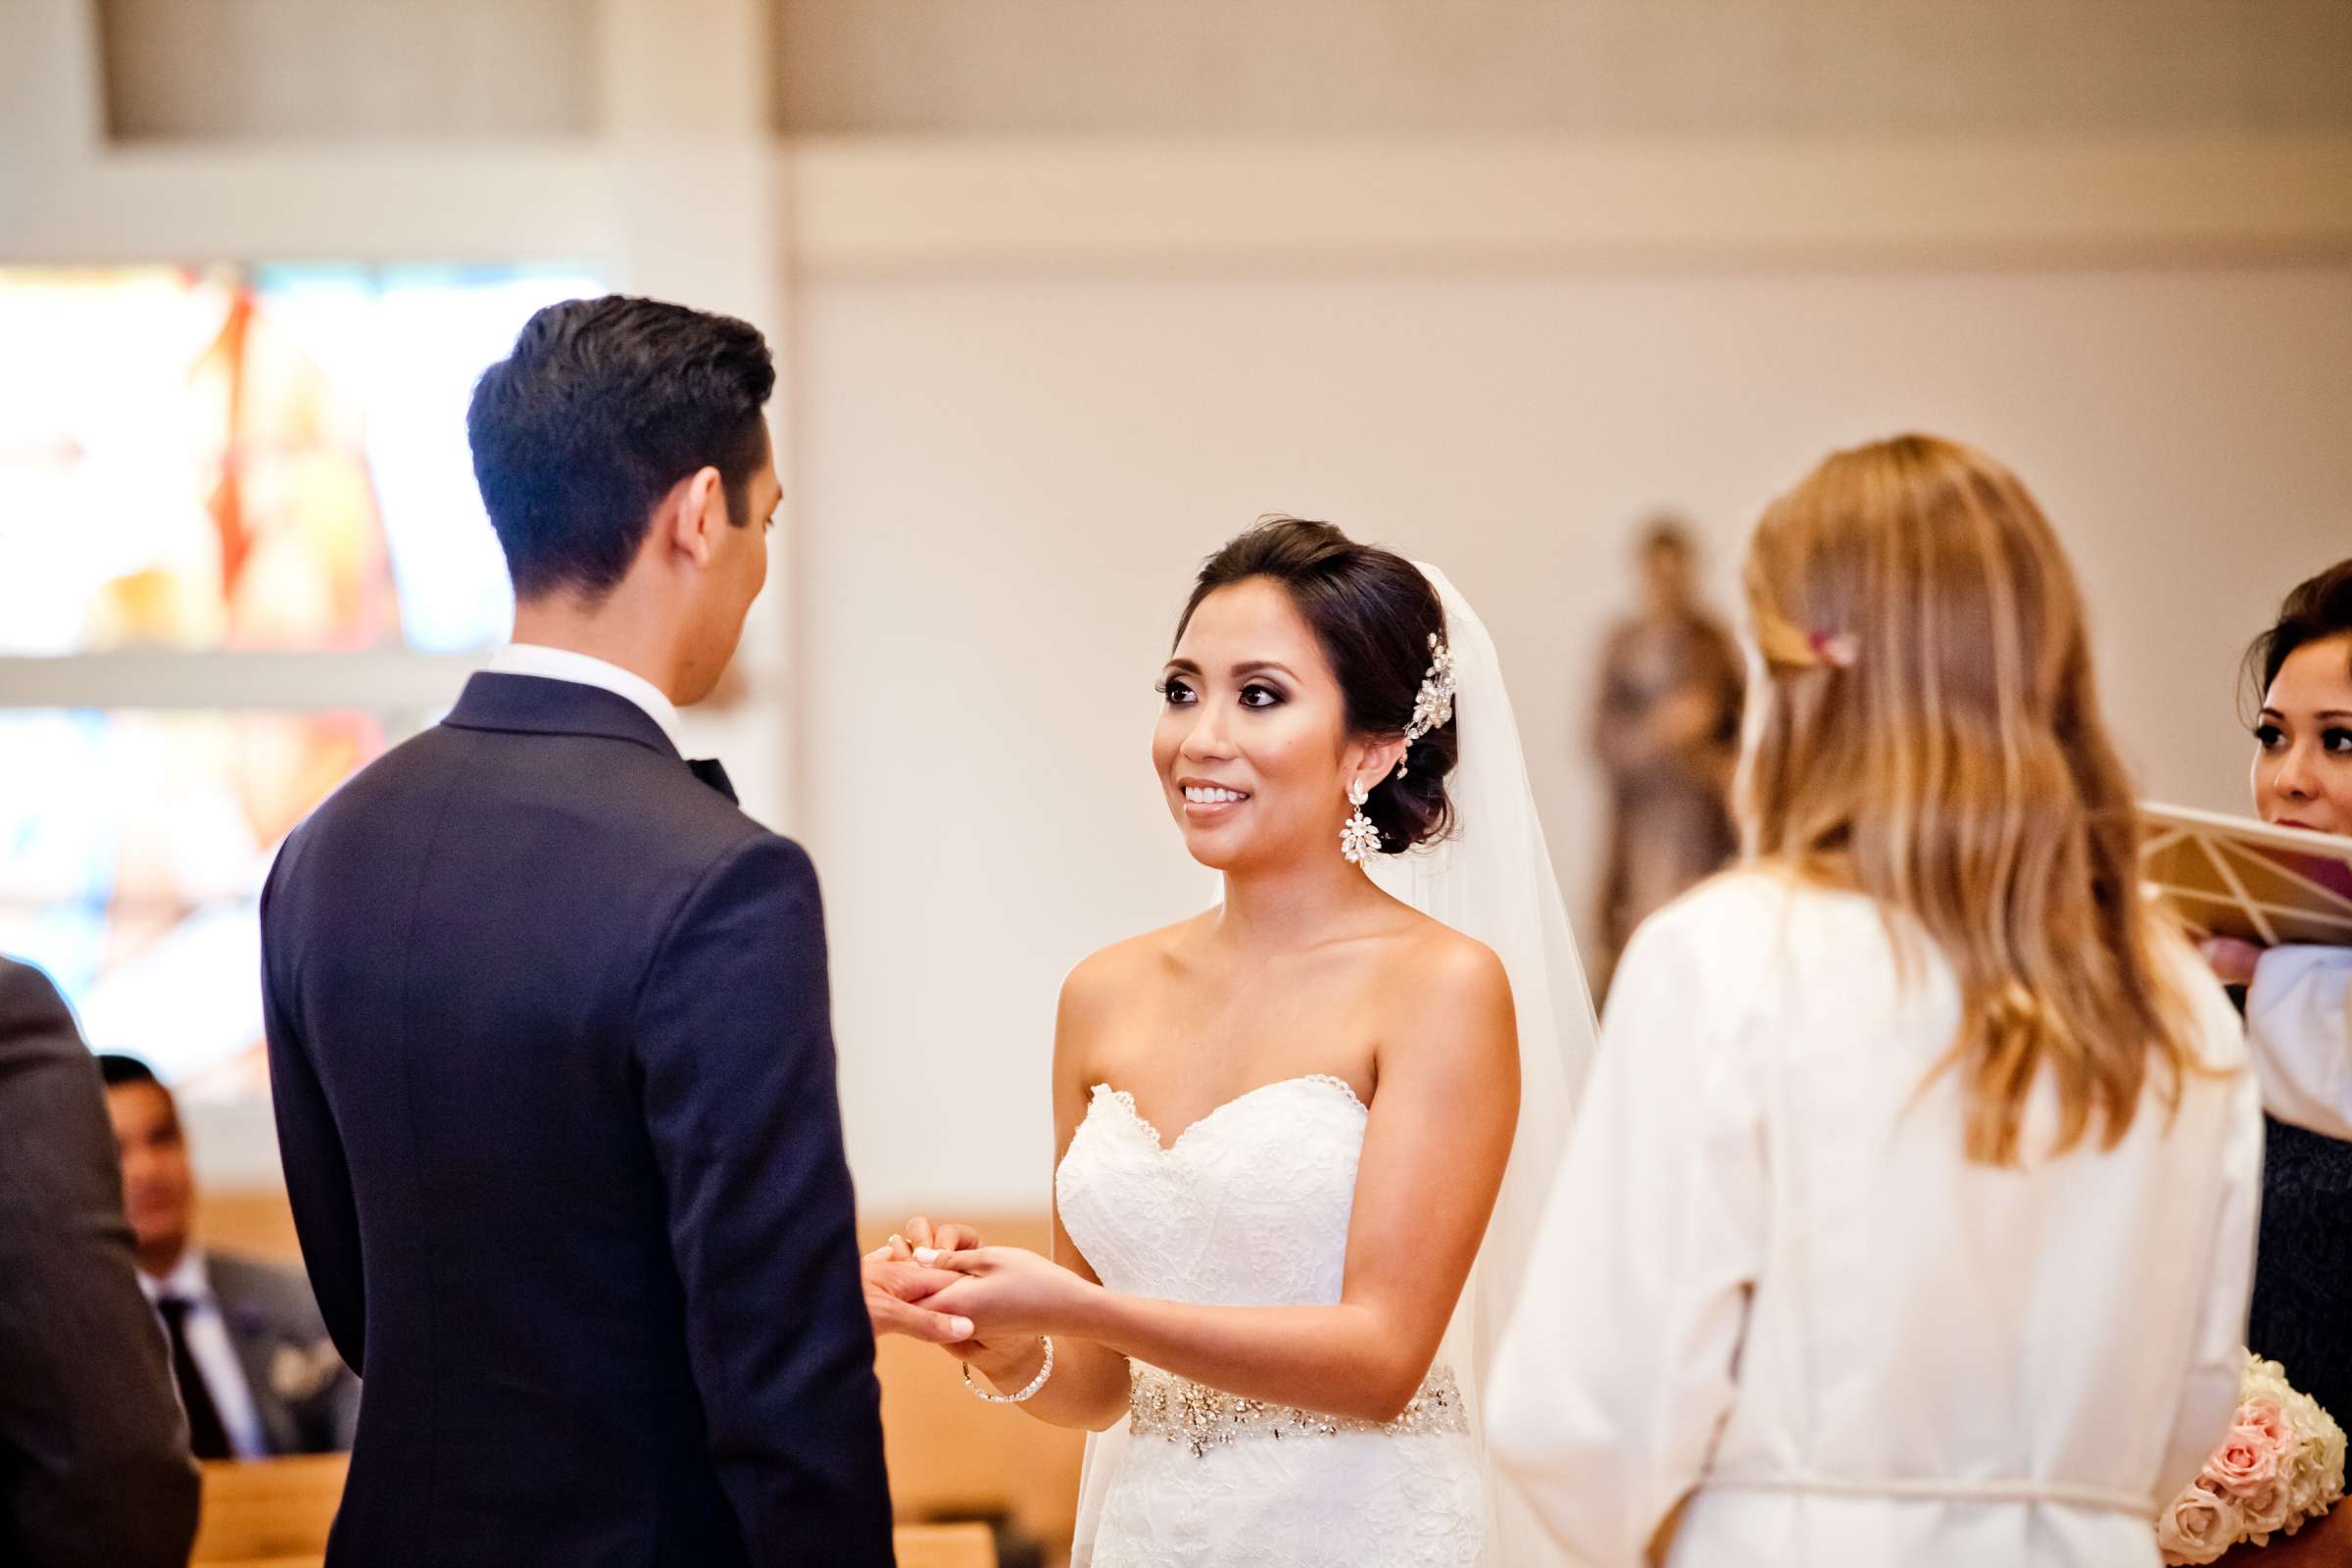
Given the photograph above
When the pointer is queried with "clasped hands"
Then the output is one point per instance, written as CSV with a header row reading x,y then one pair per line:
x,y
940,1284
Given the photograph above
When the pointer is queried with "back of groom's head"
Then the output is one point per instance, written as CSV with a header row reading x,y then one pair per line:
x,y
602,406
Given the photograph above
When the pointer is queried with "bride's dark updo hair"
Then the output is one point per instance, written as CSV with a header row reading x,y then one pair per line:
x,y
1373,614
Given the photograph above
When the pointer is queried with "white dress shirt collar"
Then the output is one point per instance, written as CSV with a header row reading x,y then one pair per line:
x,y
189,1279
583,669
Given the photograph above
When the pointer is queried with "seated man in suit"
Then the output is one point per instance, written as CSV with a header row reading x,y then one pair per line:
x,y
94,1468
257,1372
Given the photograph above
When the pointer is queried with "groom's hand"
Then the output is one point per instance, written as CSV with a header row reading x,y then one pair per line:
x,y
894,1291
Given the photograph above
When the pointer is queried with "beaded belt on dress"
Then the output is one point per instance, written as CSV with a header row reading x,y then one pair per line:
x,y
1161,1404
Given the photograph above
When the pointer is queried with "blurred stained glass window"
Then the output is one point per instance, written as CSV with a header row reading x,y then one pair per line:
x,y
250,457
269,460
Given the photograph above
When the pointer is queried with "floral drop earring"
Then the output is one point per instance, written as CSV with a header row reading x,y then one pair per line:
x,y
1359,839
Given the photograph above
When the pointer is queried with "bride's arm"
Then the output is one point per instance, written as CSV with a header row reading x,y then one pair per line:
x,y
1435,1147
1089,1387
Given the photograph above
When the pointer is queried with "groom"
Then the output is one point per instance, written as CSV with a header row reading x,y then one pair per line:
x,y
548,1036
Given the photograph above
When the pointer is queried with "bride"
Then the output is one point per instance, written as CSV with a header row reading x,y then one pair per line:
x,y
1275,1311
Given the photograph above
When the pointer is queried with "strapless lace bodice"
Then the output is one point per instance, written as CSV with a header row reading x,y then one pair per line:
x,y
1250,1207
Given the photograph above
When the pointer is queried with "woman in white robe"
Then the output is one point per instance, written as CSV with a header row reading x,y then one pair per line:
x,y
1909,1216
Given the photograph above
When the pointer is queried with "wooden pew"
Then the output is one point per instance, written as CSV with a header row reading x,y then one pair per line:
x,y
275,1513
269,1510
946,1546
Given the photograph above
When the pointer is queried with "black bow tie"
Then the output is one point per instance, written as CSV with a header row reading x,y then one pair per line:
x,y
709,770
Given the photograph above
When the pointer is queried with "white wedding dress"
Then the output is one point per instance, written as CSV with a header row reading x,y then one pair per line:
x,y
1250,1207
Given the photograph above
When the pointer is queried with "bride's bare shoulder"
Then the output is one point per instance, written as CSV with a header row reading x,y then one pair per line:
x,y
1442,972
1114,973
1442,960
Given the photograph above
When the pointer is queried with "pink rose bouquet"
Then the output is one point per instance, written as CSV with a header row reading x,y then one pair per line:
x,y
2280,1466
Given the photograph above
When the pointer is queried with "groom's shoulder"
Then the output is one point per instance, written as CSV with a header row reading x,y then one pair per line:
x,y
629,797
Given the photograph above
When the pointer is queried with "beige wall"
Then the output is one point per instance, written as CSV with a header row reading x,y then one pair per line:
x,y
1003,483
1220,68
1030,381
434,69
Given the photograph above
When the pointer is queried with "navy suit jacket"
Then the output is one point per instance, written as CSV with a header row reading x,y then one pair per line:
x,y
553,1064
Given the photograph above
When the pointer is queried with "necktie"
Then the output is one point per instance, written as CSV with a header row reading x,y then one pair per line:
x,y
706,769
206,1435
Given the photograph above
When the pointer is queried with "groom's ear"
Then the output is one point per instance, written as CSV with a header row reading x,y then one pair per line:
x,y
692,515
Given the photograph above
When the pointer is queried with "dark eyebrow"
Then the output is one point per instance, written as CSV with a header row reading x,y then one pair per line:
x,y
1257,664
2324,713
1184,667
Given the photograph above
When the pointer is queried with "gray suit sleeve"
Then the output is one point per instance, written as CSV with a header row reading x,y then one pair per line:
x,y
94,1465
271,1311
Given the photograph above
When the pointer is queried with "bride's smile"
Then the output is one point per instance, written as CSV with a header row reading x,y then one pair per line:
x,y
1206,803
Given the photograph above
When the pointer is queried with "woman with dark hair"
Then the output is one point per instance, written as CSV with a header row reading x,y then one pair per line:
x,y
2299,1001
1277,1320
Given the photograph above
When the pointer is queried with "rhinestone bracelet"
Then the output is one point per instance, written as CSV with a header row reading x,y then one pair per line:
x,y
1030,1392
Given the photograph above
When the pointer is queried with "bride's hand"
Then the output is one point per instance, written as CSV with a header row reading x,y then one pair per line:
x,y
920,1234
1007,1291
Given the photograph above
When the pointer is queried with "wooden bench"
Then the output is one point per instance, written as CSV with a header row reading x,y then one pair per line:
x,y
946,1546
275,1513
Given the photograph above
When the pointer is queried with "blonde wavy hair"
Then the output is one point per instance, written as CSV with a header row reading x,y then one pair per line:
x,y
1929,737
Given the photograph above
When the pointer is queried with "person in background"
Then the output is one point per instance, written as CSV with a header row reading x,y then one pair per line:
x,y
2297,1021
2299,999
1667,732
257,1373
94,1466
1908,1216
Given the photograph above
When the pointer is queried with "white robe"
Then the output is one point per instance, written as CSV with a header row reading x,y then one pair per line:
x,y
1773,1282
2299,1022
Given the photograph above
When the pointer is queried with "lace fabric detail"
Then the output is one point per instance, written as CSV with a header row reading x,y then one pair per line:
x,y
1126,1101
1250,1207
1176,1409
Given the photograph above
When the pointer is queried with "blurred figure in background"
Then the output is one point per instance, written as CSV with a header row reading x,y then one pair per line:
x,y
257,1373
1667,731
93,1453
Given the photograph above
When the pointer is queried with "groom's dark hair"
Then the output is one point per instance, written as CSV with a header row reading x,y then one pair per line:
x,y
601,408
